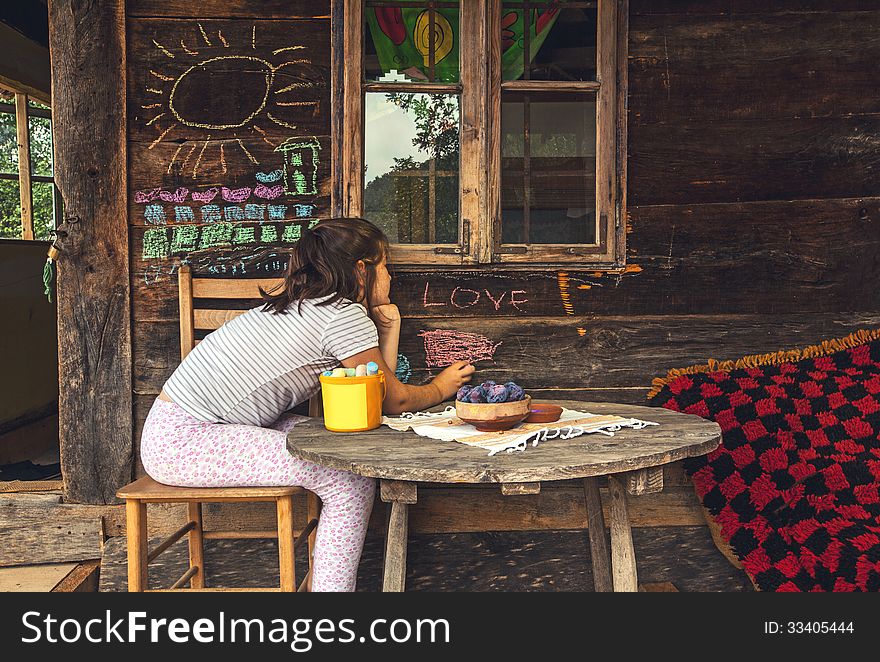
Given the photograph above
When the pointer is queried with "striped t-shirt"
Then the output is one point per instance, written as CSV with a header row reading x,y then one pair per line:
x,y
258,365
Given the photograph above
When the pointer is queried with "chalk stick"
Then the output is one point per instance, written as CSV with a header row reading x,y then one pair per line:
x,y
327,373
338,372
349,372
361,370
372,368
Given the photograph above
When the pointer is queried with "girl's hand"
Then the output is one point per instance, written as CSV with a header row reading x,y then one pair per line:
x,y
453,378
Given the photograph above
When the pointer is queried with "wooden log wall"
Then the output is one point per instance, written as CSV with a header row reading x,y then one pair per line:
x,y
754,210
229,143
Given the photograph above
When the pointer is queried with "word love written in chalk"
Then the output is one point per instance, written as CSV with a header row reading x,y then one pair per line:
x,y
465,297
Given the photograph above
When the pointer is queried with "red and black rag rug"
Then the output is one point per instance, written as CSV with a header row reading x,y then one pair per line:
x,y
794,484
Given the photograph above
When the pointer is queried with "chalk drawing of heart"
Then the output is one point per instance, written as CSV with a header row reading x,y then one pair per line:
x,y
268,192
178,196
205,196
236,194
268,177
146,196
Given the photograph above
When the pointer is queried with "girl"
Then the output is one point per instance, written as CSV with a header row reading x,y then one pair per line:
x,y
220,420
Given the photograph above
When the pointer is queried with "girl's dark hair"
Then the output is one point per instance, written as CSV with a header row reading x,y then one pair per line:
x,y
323,263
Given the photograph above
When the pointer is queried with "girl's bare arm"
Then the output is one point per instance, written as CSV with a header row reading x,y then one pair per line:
x,y
400,397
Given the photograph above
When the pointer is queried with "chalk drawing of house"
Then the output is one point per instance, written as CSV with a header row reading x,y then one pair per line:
x,y
300,165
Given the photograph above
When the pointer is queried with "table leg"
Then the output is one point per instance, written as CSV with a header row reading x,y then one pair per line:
x,y
395,549
599,554
623,558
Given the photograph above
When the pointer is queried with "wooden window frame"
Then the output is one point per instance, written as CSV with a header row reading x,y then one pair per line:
x,y
24,176
480,138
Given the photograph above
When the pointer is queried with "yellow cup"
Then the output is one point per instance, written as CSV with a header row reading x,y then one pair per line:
x,y
353,404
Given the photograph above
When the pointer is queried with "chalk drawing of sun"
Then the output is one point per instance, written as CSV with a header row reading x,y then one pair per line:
x,y
229,96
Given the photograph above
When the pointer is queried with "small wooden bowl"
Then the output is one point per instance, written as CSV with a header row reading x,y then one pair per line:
x,y
544,413
493,417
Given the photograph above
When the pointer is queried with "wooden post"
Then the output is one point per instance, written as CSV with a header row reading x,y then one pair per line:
x,y
87,41
24,166
599,554
623,557
285,544
394,579
196,545
313,511
136,534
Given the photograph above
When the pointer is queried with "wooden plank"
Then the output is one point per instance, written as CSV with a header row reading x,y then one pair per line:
x,y
82,579
457,510
606,129
394,575
18,486
260,10
613,352
623,95
623,559
509,489
38,528
472,165
185,303
741,7
206,318
697,67
34,578
600,555
396,490
352,111
93,278
196,545
26,68
136,542
337,105
740,160
233,288
24,165
286,557
644,481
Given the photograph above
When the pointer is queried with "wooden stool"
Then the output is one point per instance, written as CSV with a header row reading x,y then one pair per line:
x,y
146,490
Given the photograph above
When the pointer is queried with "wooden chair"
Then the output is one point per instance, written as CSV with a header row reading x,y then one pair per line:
x,y
146,490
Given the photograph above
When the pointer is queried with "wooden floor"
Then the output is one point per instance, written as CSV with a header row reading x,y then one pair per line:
x,y
494,561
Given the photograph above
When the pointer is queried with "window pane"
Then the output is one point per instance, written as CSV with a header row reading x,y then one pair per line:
x,y
411,158
44,209
416,42
548,40
548,168
10,210
8,143
41,145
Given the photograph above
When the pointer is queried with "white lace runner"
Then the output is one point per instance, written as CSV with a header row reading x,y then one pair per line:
x,y
447,426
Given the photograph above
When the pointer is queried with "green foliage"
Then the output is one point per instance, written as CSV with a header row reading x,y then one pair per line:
x,y
41,160
400,199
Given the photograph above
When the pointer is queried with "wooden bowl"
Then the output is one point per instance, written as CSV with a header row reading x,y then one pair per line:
x,y
544,413
493,417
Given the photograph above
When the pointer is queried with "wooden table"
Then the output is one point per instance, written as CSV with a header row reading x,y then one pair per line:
x,y
632,459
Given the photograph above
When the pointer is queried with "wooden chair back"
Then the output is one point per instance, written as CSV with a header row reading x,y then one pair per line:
x,y
194,319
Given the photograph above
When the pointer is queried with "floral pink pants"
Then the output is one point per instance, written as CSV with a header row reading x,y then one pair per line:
x,y
177,449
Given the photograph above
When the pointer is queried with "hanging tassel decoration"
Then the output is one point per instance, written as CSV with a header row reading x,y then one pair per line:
x,y
49,272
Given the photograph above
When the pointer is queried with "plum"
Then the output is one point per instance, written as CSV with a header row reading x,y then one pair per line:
x,y
477,395
463,392
497,393
515,391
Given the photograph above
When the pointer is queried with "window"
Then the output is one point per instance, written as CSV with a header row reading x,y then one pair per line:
x,y
28,198
485,131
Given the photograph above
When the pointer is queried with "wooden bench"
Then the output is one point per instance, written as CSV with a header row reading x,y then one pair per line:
x,y
146,490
